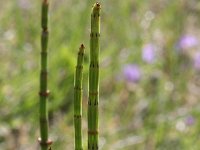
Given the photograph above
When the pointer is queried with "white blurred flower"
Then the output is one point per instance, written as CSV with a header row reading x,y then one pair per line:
x,y
180,126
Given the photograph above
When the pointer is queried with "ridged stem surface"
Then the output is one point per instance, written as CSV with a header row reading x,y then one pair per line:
x,y
93,100
44,141
78,99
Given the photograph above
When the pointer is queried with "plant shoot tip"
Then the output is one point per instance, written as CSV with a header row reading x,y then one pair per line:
x,y
97,5
82,46
45,1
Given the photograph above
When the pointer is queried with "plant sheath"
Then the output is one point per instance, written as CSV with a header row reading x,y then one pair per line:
x,y
93,100
78,99
44,141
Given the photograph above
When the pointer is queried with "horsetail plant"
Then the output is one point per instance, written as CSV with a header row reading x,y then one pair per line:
x,y
44,141
78,99
93,100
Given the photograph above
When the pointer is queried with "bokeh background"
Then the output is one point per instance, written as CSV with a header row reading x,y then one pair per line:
x,y
150,73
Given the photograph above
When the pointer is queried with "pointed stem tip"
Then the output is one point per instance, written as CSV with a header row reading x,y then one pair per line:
x,y
45,1
82,47
97,5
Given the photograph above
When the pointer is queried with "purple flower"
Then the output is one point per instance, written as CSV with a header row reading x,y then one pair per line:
x,y
189,120
197,61
187,41
132,73
148,53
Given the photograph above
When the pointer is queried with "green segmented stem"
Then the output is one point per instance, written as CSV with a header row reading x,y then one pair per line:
x,y
44,141
94,79
78,99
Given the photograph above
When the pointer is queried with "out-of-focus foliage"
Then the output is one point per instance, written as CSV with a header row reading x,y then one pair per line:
x,y
150,66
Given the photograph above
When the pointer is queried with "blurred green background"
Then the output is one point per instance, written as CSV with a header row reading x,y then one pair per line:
x,y
150,73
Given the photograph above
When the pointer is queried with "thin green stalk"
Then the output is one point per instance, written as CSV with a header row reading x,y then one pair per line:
x,y
44,141
93,101
78,99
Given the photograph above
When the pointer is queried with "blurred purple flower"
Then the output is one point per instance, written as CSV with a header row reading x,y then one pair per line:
x,y
187,41
148,53
132,73
197,61
189,120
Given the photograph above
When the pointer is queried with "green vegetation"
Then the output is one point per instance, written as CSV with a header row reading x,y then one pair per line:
x,y
93,101
78,92
147,101
44,123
